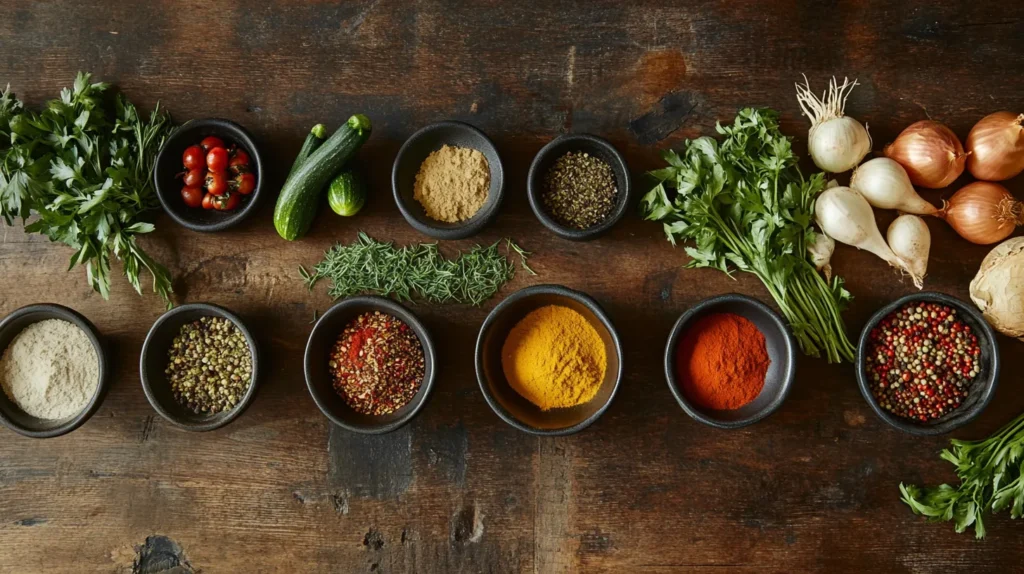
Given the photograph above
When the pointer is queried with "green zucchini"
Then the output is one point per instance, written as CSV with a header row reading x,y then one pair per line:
x,y
314,138
347,193
300,195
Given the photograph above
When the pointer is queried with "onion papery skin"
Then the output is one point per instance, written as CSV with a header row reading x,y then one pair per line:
x,y
983,212
930,152
996,147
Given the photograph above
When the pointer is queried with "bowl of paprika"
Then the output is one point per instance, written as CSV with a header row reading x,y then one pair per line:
x,y
730,361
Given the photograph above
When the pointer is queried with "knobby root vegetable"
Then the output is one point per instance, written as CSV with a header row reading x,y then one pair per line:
x,y
930,152
846,216
910,239
998,288
983,212
837,143
885,184
996,145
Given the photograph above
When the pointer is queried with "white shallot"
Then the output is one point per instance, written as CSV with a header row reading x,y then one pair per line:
x,y
836,142
910,239
846,216
886,185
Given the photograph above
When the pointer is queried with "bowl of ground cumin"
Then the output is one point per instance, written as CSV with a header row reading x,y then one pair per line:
x,y
54,370
730,361
448,180
548,360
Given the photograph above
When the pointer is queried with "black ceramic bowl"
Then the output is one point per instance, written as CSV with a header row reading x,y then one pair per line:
x,y
407,165
153,362
778,342
318,348
168,165
549,154
18,420
982,388
510,405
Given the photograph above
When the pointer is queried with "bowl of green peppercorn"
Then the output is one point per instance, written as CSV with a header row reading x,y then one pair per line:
x,y
578,186
199,366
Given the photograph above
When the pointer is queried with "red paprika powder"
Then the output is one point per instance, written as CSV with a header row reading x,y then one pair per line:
x,y
721,361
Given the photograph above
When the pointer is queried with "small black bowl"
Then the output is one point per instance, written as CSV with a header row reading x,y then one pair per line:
x,y
168,165
407,165
18,420
778,342
510,405
318,349
153,362
982,389
555,149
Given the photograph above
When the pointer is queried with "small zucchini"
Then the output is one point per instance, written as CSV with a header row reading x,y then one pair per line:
x,y
300,196
314,138
347,193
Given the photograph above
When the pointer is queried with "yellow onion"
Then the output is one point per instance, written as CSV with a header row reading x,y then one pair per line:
x,y
996,145
983,212
930,152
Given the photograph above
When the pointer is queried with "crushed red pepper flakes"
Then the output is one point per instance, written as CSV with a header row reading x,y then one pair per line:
x,y
376,364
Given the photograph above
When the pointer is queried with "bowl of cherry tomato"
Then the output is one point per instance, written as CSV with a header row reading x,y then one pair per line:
x,y
208,174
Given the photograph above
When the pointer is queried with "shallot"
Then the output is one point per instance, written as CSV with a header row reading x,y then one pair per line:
x,y
983,212
885,184
998,288
836,142
844,215
996,145
910,239
930,152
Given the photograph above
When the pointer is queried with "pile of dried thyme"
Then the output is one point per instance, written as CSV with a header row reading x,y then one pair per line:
x,y
416,271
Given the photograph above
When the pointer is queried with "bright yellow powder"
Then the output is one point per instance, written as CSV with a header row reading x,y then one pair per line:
x,y
554,358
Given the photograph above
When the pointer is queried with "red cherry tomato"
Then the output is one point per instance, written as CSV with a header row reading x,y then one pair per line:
x,y
217,159
210,142
227,202
216,182
244,183
207,201
192,195
193,158
239,163
195,177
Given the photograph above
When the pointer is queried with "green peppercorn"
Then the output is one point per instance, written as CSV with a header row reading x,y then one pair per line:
x,y
209,365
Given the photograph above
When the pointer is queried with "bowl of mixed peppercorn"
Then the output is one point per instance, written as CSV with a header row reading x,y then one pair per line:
x,y
578,186
369,364
199,366
927,363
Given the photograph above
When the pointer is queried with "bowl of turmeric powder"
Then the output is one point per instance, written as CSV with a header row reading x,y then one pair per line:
x,y
548,360
730,361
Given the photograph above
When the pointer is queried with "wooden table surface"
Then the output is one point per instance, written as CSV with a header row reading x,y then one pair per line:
x,y
645,489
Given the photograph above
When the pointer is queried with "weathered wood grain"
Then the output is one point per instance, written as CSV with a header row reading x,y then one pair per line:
x,y
646,489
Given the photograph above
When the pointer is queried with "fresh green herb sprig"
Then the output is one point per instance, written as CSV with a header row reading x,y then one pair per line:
x,y
87,174
746,205
991,473
416,271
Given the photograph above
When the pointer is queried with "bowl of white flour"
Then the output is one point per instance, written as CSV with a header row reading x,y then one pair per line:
x,y
53,370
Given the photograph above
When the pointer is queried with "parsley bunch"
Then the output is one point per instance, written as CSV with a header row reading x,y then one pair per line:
x,y
84,168
991,473
745,205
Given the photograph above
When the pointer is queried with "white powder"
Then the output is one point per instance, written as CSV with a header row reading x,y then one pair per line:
x,y
50,369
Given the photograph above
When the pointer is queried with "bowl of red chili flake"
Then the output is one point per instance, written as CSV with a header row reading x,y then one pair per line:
x,y
928,363
369,364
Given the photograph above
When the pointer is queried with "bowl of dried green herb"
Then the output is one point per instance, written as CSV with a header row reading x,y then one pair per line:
x,y
199,366
578,186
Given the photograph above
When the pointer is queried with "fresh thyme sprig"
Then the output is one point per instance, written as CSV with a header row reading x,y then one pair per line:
x,y
416,271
